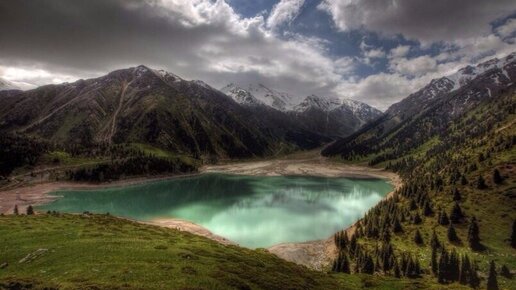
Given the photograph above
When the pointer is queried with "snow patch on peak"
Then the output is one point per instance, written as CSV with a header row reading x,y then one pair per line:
x,y
253,94
316,102
468,73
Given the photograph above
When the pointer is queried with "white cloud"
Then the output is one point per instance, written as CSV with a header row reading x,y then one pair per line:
x,y
423,20
507,29
31,77
379,90
399,51
374,53
284,12
413,67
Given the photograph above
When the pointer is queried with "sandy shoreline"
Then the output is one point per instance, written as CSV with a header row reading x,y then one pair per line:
x,y
313,254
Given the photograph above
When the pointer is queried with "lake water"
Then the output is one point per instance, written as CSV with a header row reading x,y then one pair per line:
x,y
253,211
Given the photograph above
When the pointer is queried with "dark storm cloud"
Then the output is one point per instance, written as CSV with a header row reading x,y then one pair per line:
x,y
93,34
205,40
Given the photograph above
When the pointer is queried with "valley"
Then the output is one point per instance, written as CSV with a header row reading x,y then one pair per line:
x,y
173,158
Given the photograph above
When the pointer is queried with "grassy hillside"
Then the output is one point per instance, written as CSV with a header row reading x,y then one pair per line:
x,y
102,252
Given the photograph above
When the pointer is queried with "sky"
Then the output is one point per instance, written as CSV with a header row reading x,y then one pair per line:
x,y
374,51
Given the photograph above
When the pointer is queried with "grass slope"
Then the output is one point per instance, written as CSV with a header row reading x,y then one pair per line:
x,y
65,251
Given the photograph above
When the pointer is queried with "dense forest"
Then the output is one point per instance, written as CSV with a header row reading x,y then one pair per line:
x,y
108,162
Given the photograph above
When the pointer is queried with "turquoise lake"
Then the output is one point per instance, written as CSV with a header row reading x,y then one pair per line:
x,y
253,211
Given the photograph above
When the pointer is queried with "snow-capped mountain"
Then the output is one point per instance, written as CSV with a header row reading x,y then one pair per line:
x,y
329,116
260,95
7,85
316,102
468,73
333,116
495,74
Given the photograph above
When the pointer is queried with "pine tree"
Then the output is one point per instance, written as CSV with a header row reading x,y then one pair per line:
x,y
473,235
341,264
456,214
417,219
367,265
474,280
16,212
397,228
433,262
492,282
465,270
456,195
513,235
463,180
453,266
413,205
434,241
481,183
443,219
353,246
30,210
427,209
442,272
505,272
418,239
497,177
397,272
452,234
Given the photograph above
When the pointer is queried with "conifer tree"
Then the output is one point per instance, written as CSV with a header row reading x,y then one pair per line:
x,y
474,280
417,219
497,177
492,282
413,205
481,183
452,234
473,235
30,210
505,272
463,180
418,239
397,272
513,235
456,195
353,246
465,270
427,209
434,241
433,262
443,219
456,214
367,265
453,266
344,265
397,228
442,272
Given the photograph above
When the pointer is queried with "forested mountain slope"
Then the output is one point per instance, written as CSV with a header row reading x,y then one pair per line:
x,y
456,211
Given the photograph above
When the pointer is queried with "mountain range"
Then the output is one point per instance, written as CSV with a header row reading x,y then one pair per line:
x,y
142,105
427,112
331,117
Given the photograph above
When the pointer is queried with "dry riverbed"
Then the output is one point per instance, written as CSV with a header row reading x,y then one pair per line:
x,y
313,254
